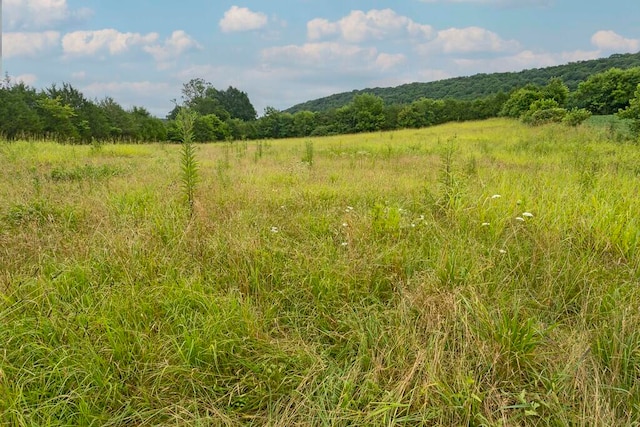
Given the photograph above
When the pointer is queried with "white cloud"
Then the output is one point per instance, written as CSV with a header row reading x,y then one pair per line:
x,y
40,14
387,61
319,28
174,46
29,44
320,54
470,39
87,43
242,19
612,42
27,79
361,26
525,60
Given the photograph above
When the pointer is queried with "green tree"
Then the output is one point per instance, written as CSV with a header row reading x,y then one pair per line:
x,y
557,91
147,128
57,118
304,123
633,112
275,124
368,112
237,104
421,113
520,101
609,91
88,120
19,110
210,128
201,97
121,124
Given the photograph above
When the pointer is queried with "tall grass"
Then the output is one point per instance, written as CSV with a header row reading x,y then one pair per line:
x,y
470,274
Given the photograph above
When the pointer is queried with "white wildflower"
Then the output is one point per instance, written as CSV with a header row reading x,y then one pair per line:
x,y
349,209
502,251
344,244
344,224
527,214
274,229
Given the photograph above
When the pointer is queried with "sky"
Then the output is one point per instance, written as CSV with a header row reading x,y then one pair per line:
x,y
283,52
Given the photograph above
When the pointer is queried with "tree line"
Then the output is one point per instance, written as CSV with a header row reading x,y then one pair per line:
x,y
479,85
65,114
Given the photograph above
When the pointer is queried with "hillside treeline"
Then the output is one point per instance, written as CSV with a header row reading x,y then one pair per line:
x,y
65,114
479,85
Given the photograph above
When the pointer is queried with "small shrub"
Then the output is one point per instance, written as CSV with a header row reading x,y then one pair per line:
x,y
576,116
542,117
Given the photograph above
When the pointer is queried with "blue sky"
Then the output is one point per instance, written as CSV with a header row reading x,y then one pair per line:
x,y
282,52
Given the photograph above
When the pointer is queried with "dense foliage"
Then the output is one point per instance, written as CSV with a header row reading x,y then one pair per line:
x,y
633,112
479,85
64,114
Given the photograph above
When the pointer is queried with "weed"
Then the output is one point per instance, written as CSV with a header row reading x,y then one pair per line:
x,y
189,165
308,153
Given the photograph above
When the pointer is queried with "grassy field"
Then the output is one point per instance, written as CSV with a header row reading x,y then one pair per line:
x,y
482,274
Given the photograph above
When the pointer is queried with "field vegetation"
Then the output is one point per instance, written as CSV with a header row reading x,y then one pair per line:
x,y
479,273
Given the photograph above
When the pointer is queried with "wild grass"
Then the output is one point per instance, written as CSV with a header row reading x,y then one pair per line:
x,y
481,273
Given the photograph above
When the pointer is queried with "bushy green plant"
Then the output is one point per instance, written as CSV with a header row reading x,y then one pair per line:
x,y
633,112
541,117
576,116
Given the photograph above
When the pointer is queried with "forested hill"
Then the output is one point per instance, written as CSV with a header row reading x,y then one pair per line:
x,y
479,85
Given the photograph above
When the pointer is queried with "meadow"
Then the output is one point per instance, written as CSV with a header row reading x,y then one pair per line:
x,y
480,273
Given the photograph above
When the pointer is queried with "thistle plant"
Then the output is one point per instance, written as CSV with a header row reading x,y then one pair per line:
x,y
189,165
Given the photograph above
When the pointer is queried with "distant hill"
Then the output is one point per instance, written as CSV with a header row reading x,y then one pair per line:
x,y
479,85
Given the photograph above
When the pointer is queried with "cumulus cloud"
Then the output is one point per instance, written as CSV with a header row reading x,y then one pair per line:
x,y
323,53
41,14
610,41
29,44
87,43
360,26
174,46
468,40
387,61
242,19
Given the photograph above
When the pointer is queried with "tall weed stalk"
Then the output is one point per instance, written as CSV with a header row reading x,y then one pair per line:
x,y
189,165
